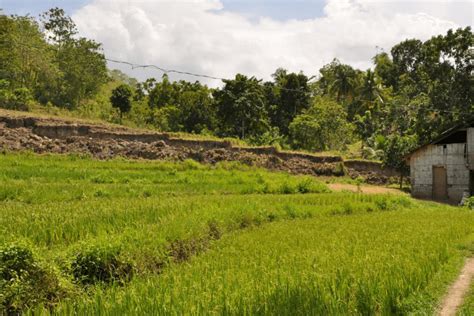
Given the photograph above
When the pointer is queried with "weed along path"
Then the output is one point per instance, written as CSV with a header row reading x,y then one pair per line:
x,y
458,290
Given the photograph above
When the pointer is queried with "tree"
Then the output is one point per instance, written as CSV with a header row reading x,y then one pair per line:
x,y
323,126
167,118
84,71
59,26
26,59
117,75
396,148
80,61
291,95
338,80
241,107
164,93
198,109
121,99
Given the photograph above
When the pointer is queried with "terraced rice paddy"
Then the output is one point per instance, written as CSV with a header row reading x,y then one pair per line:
x,y
126,237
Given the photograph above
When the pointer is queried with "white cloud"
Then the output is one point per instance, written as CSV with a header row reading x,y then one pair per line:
x,y
199,36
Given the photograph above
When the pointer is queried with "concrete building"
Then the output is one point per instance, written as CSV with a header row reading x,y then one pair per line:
x,y
444,169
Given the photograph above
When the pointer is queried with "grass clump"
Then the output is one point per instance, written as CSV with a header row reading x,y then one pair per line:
x,y
24,281
101,265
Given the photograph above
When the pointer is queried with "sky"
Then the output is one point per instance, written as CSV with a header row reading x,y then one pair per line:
x,y
223,37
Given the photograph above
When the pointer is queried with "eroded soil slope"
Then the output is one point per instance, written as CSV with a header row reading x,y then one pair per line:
x,y
51,135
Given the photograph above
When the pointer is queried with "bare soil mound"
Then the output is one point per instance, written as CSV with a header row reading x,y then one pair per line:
x,y
51,135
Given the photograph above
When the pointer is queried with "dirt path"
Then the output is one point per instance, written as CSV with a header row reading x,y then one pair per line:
x,y
367,189
457,291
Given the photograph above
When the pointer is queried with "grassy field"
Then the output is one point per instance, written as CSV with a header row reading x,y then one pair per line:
x,y
80,236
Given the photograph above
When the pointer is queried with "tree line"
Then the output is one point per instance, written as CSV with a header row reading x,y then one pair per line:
x,y
409,96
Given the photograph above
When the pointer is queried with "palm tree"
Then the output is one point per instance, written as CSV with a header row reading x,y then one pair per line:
x,y
344,83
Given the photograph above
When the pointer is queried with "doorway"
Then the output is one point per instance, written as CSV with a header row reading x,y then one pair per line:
x,y
440,183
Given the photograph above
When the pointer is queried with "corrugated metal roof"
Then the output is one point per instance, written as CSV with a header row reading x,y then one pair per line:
x,y
444,135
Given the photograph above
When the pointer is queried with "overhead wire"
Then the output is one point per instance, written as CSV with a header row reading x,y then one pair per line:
x,y
167,71
164,70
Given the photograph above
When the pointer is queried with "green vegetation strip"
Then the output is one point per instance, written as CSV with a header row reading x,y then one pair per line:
x,y
362,264
467,308
85,236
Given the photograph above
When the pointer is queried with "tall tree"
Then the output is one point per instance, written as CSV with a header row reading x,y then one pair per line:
x,y
291,96
121,99
338,80
80,60
26,60
323,126
163,93
197,107
241,107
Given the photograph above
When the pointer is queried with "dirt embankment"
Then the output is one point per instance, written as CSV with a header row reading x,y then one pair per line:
x,y
43,135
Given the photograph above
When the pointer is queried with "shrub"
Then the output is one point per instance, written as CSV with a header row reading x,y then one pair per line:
x,y
16,99
101,264
308,185
24,282
214,230
305,186
190,164
101,194
470,203
102,179
382,205
339,169
286,188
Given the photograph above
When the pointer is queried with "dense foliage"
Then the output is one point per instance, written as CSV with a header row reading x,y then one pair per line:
x,y
47,61
121,99
413,92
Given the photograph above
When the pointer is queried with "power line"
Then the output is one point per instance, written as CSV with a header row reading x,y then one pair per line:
x,y
165,70
134,66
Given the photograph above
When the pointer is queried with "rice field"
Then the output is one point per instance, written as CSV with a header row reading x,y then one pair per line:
x,y
467,309
81,236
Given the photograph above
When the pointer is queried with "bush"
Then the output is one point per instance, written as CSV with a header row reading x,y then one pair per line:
x,y
339,169
287,188
16,99
24,281
305,186
101,264
308,185
469,203
190,164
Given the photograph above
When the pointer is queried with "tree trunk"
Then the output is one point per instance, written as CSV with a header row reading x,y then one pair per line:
x,y
401,181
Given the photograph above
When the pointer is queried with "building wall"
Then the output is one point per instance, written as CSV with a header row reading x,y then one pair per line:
x,y
470,147
451,157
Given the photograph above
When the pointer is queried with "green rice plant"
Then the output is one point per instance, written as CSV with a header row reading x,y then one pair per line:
x,y
185,238
359,265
